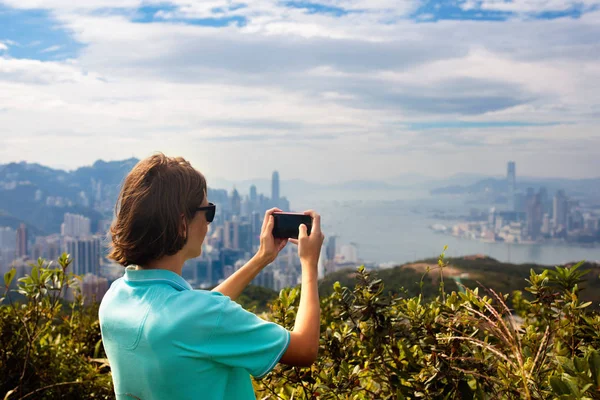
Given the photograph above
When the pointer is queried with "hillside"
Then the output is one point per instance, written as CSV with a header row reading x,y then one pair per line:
x,y
40,196
471,271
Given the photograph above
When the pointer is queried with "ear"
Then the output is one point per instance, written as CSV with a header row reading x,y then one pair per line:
x,y
183,226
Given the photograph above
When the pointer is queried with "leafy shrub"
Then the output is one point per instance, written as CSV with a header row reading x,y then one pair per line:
x,y
375,343
461,345
50,348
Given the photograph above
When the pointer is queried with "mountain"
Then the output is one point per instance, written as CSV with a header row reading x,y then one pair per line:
x,y
497,186
110,173
419,180
39,196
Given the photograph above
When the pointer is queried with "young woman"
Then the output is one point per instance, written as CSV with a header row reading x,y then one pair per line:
x,y
165,340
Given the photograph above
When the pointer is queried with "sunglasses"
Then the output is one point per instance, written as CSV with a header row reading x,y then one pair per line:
x,y
210,211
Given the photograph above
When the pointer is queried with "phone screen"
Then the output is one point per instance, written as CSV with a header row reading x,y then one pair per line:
x,y
287,224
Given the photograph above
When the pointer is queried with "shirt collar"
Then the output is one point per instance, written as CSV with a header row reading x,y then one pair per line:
x,y
156,275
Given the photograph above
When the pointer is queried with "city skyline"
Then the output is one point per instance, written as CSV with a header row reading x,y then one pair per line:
x,y
322,91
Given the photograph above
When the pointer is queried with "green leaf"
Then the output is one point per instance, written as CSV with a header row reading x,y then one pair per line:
x,y
559,386
337,287
9,276
580,364
97,348
594,362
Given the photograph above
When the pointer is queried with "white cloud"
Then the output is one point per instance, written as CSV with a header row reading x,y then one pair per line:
x,y
3,47
531,6
51,49
60,5
291,76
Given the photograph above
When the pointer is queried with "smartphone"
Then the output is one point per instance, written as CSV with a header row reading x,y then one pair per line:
x,y
287,224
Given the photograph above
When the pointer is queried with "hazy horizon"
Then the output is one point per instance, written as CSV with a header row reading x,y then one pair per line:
x,y
473,174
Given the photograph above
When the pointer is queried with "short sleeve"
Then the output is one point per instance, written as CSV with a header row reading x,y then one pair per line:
x,y
242,339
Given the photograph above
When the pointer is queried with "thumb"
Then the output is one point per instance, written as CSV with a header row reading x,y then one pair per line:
x,y
302,231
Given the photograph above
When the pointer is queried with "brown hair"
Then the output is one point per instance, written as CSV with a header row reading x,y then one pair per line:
x,y
154,195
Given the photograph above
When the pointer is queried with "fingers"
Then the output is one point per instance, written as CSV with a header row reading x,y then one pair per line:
x,y
294,241
302,231
316,225
269,215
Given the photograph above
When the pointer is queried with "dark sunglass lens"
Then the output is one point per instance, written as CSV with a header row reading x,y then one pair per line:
x,y
210,213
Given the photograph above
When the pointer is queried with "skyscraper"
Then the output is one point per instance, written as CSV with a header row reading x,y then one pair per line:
x,y
275,188
330,251
22,241
76,225
253,194
231,234
236,202
85,253
560,210
511,178
535,216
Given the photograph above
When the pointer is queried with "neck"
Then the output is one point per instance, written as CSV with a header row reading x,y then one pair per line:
x,y
172,263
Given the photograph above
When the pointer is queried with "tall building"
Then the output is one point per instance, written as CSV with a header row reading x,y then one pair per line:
x,y
275,188
560,210
85,253
236,202
330,251
545,200
76,225
256,223
535,216
245,236
511,178
231,235
22,241
253,194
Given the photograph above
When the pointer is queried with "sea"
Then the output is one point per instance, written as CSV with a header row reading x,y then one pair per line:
x,y
395,231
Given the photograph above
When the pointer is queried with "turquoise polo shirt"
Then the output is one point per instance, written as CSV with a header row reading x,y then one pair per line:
x,y
165,340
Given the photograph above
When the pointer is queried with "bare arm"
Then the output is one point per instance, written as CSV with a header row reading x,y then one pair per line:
x,y
304,338
268,251
236,283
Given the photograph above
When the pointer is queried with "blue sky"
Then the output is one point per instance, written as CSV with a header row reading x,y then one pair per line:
x,y
34,34
304,80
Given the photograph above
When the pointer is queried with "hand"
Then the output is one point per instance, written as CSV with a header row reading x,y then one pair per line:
x,y
269,245
309,247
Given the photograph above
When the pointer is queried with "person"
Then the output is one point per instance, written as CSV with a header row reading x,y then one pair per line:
x,y
165,340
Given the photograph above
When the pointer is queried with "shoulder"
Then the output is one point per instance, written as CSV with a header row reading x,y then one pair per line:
x,y
203,298
195,308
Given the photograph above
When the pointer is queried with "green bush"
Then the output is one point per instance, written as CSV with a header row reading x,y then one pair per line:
x,y
463,345
50,348
375,344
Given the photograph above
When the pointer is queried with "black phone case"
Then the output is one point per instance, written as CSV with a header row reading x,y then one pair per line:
x,y
286,225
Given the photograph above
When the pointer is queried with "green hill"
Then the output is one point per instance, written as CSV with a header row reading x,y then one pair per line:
x,y
470,271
